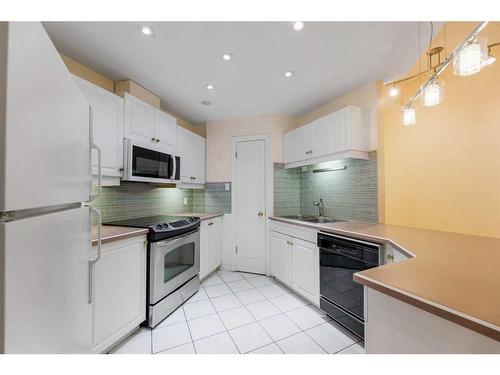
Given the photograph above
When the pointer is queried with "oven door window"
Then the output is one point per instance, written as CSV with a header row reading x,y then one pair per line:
x,y
336,283
150,163
178,260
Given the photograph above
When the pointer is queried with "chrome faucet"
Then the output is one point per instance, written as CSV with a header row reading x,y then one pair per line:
x,y
321,206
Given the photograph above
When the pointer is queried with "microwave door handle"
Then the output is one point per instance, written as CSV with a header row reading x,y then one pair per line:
x,y
174,163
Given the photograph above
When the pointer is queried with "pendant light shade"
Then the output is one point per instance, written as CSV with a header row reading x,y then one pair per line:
x,y
433,94
470,59
408,116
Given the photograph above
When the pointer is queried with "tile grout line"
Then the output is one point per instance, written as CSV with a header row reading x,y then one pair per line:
x,y
272,316
217,312
256,321
301,330
189,328
281,313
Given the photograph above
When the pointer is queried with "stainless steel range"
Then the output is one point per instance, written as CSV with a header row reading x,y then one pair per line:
x,y
173,262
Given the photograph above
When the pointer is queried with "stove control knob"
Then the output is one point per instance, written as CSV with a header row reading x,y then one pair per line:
x,y
159,227
165,226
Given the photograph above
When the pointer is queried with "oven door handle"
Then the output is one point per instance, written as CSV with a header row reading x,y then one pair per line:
x,y
176,239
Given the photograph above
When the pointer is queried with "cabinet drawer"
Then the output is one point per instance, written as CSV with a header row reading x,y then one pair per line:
x,y
297,231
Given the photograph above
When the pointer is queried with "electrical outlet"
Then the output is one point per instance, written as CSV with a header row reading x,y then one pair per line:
x,y
185,201
227,186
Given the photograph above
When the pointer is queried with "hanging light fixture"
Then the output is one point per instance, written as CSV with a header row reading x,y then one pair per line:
x,y
432,94
393,91
408,116
470,59
490,59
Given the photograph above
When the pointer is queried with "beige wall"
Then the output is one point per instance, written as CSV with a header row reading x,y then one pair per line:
x,y
90,75
364,97
444,172
219,141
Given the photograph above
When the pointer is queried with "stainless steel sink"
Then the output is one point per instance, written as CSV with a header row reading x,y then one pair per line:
x,y
313,219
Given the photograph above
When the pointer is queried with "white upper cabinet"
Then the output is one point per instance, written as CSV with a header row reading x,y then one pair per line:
x,y
329,134
191,148
140,120
149,125
107,110
339,135
166,132
296,145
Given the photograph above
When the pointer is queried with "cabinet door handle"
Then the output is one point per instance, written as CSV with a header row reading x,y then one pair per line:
x,y
390,256
260,213
157,140
210,223
289,243
153,139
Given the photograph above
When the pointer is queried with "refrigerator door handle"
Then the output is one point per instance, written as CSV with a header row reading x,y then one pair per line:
x,y
93,146
92,262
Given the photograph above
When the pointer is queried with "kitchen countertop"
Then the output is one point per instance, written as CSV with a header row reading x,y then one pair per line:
x,y
110,233
454,276
201,215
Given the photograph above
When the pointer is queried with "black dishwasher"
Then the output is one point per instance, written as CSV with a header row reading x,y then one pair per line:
x,y
341,297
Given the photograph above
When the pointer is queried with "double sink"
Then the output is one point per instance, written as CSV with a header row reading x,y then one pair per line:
x,y
313,219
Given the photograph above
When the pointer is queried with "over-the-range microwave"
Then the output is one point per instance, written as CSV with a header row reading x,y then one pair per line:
x,y
144,164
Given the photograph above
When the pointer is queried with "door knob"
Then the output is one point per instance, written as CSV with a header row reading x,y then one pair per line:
x,y
260,213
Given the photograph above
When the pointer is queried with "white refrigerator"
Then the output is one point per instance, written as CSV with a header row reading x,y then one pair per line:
x,y
46,254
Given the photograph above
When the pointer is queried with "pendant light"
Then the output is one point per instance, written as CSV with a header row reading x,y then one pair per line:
x,y
470,59
490,59
408,116
432,93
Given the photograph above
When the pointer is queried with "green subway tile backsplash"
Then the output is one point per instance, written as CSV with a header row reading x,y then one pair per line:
x,y
214,198
349,194
133,199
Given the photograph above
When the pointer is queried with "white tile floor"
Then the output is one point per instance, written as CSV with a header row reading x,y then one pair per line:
x,y
236,312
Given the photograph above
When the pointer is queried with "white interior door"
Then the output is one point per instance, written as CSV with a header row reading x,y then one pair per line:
x,y
46,283
250,206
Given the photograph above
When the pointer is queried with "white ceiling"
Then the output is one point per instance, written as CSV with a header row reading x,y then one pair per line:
x,y
329,59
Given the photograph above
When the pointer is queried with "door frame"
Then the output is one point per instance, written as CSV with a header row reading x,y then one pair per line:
x,y
269,206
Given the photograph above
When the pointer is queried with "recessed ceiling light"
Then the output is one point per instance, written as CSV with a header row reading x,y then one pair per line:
x,y
147,30
288,73
206,102
227,56
298,25
210,87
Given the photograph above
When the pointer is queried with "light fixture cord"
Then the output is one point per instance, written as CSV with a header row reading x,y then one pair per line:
x,y
419,57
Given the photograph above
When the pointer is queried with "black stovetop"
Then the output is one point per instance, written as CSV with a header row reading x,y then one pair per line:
x,y
161,226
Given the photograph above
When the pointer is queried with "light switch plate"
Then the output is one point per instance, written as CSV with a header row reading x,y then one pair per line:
x,y
185,201
227,186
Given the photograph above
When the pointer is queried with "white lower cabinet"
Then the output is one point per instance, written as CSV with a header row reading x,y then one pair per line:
x,y
119,292
281,257
210,246
390,254
295,262
305,269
